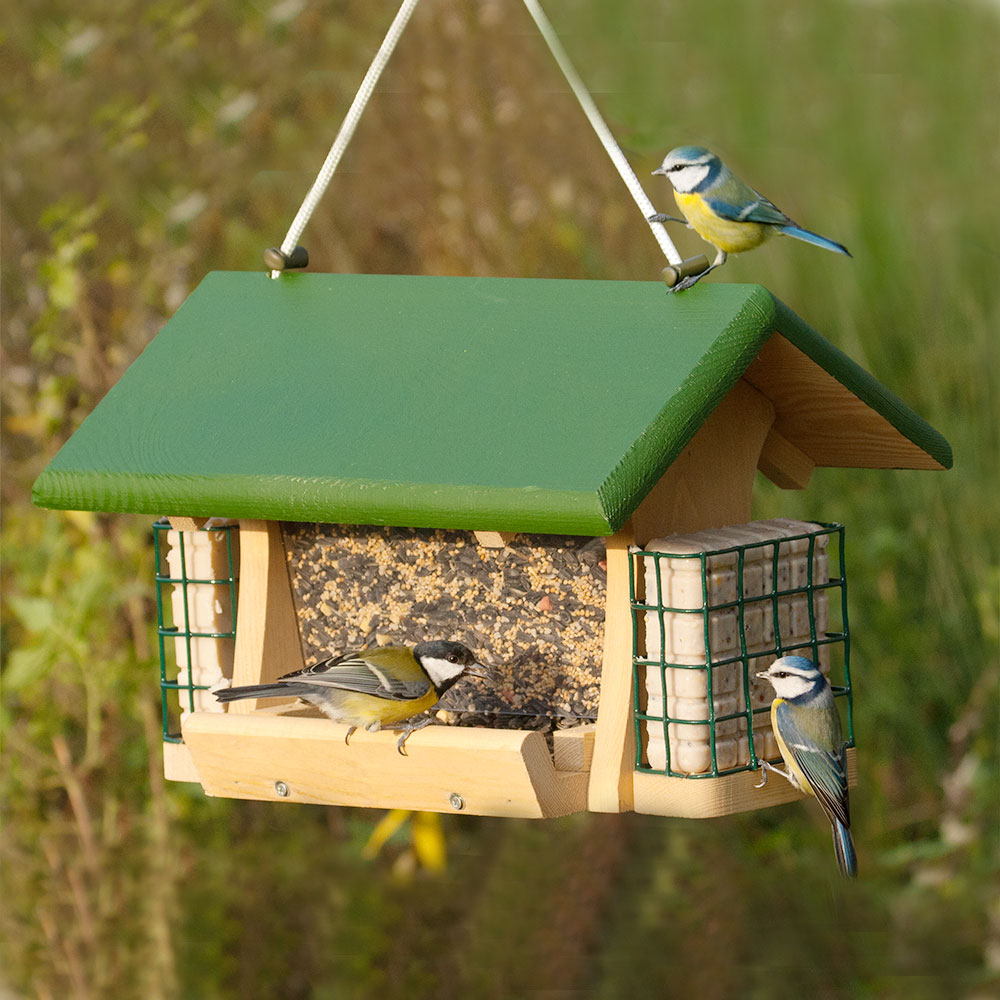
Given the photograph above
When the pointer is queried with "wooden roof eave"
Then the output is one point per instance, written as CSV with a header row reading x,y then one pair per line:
x,y
834,411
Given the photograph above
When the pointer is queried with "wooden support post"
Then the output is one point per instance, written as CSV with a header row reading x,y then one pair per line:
x,y
614,742
785,464
710,484
267,632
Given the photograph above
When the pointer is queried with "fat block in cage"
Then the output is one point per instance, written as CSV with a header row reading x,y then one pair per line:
x,y
197,585
721,605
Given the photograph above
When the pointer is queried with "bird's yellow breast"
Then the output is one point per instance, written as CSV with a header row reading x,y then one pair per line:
x,y
732,237
359,709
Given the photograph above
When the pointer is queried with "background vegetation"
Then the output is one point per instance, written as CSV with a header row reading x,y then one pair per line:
x,y
146,143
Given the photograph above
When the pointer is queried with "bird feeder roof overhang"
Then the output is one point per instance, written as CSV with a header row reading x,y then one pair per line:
x,y
504,404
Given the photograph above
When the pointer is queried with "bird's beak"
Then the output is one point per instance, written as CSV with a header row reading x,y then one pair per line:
x,y
763,673
481,670
659,170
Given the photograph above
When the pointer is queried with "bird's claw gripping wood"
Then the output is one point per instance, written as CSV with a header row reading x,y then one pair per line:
x,y
765,769
410,729
372,727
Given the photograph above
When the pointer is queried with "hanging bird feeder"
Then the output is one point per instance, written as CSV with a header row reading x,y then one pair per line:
x,y
557,473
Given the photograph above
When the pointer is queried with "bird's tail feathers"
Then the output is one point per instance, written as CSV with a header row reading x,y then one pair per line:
x,y
285,690
843,845
814,238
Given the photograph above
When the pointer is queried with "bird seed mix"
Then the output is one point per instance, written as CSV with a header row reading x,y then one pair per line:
x,y
533,610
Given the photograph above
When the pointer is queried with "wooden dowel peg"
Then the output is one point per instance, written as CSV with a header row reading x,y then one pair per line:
x,y
278,261
685,269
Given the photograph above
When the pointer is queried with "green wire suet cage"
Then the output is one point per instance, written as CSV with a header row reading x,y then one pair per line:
x,y
704,622
196,600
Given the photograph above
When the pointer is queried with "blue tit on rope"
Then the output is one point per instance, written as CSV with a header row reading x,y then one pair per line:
x,y
807,728
723,210
377,687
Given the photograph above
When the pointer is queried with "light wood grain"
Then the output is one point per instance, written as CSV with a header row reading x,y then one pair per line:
x,y
187,523
494,539
701,798
573,749
823,418
710,483
494,772
177,763
614,740
267,631
785,464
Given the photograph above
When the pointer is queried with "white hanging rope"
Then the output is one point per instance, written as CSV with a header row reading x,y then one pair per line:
x,y
346,132
602,130
367,87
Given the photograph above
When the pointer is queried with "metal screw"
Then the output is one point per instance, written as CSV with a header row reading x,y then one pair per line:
x,y
282,789
456,801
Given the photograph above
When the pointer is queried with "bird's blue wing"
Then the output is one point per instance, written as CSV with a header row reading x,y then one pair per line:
x,y
826,770
759,210
352,672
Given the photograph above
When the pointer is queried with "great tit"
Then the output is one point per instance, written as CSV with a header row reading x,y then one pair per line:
x,y
806,725
723,210
375,687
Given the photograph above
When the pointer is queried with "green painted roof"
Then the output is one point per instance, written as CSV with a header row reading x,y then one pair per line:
x,y
485,403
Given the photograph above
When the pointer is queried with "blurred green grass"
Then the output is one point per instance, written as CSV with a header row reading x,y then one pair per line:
x,y
148,143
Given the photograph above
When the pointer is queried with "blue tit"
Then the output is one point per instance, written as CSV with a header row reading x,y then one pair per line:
x,y
376,687
806,725
723,210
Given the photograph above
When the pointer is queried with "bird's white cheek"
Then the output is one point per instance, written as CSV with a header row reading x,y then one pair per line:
x,y
441,671
791,687
685,181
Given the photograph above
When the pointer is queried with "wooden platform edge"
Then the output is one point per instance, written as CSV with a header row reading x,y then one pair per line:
x,y
483,772
573,749
703,798
177,763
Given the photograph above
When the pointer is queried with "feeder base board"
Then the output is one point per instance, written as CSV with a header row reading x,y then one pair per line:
x,y
701,798
486,772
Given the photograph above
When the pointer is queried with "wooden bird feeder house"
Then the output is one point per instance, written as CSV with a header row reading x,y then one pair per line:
x,y
557,473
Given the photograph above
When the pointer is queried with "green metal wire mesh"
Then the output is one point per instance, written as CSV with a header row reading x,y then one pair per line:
x,y
655,676
176,599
